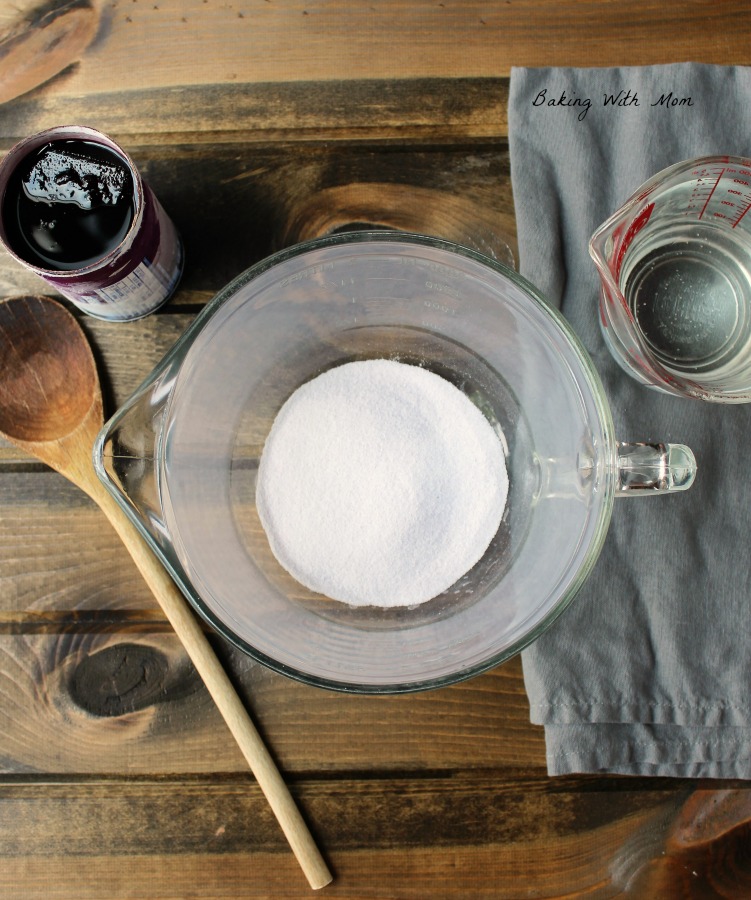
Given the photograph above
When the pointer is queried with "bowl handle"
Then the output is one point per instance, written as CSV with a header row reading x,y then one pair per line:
x,y
648,469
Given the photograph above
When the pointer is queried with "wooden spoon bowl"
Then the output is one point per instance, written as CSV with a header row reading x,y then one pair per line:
x,y
49,381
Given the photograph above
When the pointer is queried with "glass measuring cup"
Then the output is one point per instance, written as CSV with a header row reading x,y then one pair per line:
x,y
182,455
675,269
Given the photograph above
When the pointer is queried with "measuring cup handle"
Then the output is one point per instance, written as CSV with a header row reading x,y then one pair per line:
x,y
647,469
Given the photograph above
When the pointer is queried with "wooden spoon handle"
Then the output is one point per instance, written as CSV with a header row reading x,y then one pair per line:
x,y
220,687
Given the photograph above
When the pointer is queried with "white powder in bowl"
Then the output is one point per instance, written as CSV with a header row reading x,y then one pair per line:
x,y
380,484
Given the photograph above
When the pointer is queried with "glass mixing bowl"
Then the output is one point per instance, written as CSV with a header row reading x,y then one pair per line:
x,y
182,455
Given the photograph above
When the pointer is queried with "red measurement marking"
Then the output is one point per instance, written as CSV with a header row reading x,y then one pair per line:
x,y
714,188
746,209
634,228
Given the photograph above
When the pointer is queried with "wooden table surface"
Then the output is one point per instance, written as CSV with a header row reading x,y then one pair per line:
x,y
259,123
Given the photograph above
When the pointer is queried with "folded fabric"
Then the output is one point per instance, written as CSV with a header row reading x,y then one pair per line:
x,y
649,670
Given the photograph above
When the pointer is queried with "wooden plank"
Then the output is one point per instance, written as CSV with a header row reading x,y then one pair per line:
x,y
57,551
184,816
329,70
89,700
204,42
457,837
235,204
378,110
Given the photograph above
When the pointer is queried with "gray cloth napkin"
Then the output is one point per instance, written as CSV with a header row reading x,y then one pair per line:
x,y
648,672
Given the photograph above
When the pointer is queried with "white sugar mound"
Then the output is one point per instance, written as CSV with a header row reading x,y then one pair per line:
x,y
380,484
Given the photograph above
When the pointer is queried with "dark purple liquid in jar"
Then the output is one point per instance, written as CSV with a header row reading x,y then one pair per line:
x,y
68,204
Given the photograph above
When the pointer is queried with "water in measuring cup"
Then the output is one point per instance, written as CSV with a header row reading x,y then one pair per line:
x,y
688,286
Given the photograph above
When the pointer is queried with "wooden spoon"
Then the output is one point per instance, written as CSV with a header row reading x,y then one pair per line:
x,y
51,407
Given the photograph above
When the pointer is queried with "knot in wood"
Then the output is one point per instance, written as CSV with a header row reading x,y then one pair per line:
x,y
119,680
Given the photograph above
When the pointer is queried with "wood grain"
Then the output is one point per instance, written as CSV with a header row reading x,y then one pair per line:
x,y
419,109
253,41
234,204
259,123
104,702
332,70
456,837
38,40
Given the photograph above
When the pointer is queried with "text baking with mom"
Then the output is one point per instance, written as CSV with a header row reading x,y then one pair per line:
x,y
622,99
